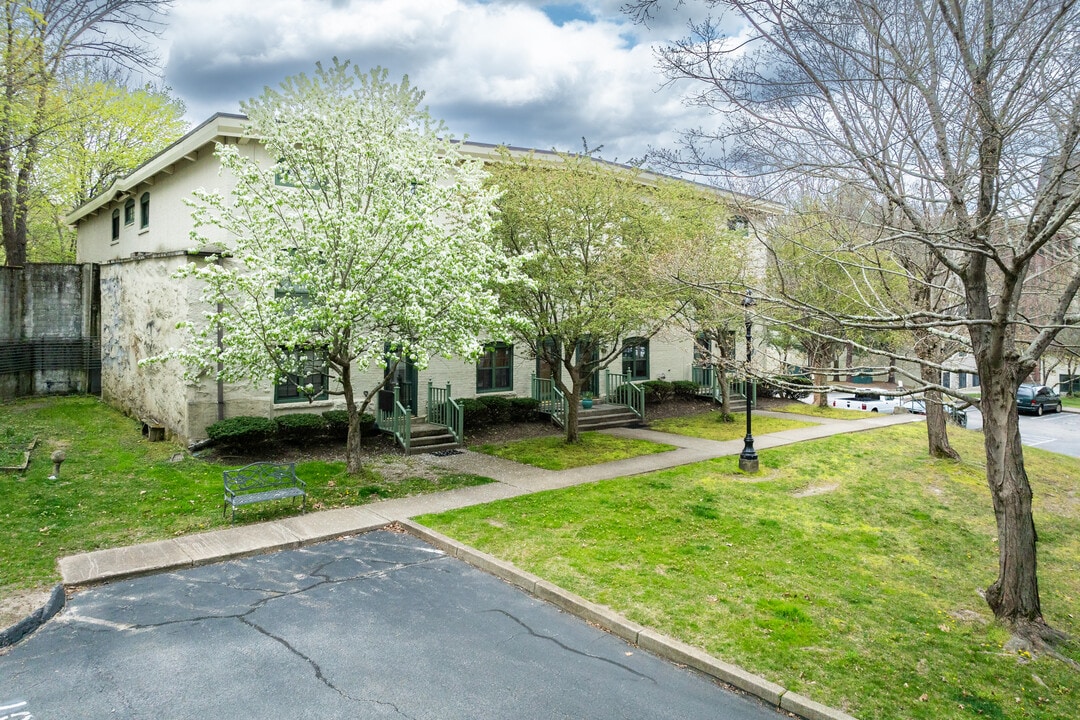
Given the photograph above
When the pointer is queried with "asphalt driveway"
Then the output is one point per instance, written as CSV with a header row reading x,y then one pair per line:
x,y
377,625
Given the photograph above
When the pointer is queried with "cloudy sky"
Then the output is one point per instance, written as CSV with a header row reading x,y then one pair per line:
x,y
520,72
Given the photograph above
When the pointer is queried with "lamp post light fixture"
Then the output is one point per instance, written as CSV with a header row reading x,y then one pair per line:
x,y
748,459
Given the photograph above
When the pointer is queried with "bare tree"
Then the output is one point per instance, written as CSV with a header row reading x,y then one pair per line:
x,y
38,39
961,118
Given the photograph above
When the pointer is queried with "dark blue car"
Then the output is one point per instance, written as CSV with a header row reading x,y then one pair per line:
x,y
1037,399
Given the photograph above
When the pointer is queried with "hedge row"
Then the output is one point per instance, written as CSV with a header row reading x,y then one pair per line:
x,y
498,409
296,428
787,387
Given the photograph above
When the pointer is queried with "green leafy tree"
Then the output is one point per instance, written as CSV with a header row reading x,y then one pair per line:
x,y
103,130
370,229
40,41
706,246
586,233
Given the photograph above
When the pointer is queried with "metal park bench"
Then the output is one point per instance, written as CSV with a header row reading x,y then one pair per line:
x,y
260,482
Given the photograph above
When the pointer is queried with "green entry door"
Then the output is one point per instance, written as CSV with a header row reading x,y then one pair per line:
x,y
405,377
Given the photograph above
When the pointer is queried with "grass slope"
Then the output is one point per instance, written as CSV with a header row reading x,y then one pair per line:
x,y
708,426
117,489
553,453
849,571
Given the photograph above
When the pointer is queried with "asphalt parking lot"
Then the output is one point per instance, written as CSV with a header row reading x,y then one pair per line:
x,y
377,625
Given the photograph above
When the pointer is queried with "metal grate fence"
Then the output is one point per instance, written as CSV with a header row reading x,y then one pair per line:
x,y
49,353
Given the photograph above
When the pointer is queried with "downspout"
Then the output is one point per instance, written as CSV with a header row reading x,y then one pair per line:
x,y
220,365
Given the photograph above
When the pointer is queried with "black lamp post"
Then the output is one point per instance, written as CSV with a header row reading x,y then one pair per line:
x,y
748,459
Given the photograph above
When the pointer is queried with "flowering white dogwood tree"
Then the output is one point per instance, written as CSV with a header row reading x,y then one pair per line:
x,y
368,231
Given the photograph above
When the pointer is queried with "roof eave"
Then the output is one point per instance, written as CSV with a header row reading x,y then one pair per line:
x,y
217,126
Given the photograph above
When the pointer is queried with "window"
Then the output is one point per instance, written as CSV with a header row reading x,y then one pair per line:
x,y
116,225
311,369
635,359
494,369
144,210
129,212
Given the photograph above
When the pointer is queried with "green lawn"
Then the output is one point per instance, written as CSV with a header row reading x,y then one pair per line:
x,y
709,426
799,408
1070,401
553,453
848,572
117,489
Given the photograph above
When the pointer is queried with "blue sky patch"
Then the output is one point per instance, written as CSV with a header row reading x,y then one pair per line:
x,y
562,13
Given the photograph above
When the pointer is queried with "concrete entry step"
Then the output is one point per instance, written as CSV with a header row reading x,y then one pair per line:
x,y
430,437
607,415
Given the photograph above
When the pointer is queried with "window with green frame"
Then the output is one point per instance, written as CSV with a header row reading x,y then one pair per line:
x,y
144,211
494,369
312,370
129,212
635,358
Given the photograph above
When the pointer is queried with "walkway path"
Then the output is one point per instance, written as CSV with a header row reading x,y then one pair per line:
x,y
511,480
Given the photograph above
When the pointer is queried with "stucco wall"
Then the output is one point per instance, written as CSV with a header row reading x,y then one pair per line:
x,y
170,215
141,304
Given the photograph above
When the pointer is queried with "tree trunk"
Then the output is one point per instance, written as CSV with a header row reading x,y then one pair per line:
x,y
573,404
353,460
937,433
1014,596
725,393
573,401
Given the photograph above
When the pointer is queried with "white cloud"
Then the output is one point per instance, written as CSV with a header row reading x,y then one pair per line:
x,y
496,71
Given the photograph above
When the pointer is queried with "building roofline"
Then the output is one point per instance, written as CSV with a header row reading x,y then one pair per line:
x,y
216,126
234,125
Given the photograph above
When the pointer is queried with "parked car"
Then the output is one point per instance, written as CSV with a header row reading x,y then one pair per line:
x,y
1037,399
954,414
871,402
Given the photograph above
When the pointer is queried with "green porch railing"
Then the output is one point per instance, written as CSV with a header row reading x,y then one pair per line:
x,y
396,420
748,389
436,403
455,419
551,399
621,391
708,383
704,377
442,409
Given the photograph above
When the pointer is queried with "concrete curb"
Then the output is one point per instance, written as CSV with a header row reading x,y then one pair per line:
x,y
645,638
15,633
101,566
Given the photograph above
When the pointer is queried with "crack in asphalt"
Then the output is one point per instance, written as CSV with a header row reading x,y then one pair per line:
x,y
317,572
318,669
271,595
569,649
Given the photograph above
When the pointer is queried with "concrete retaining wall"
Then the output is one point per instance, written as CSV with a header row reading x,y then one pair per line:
x,y
49,324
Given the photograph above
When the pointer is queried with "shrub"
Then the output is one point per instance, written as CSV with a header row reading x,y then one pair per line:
x,y
476,414
242,430
685,388
300,427
789,387
337,424
658,391
499,408
524,409
767,389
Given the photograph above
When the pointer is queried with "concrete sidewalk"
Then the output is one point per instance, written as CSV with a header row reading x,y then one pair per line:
x,y
511,480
